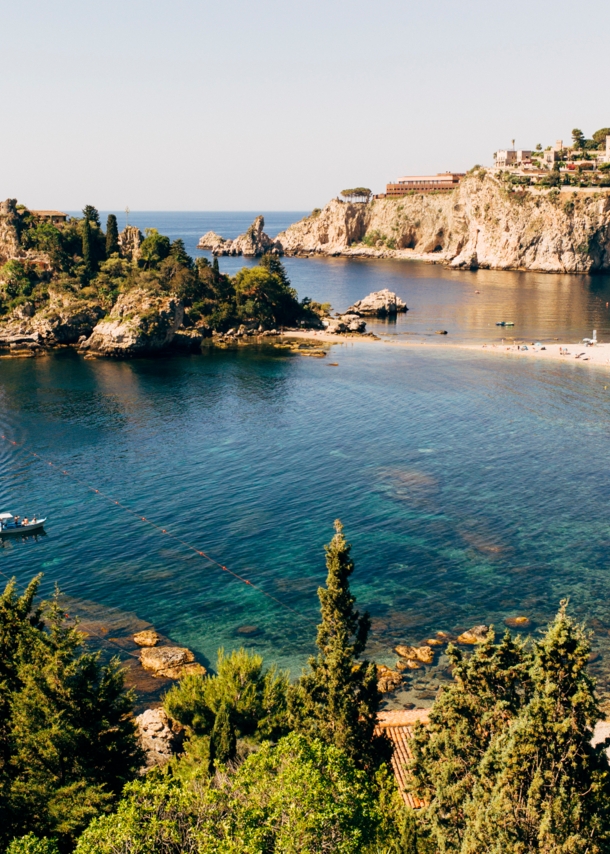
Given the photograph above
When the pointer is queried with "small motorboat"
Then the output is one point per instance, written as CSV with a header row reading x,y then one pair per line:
x,y
10,524
500,323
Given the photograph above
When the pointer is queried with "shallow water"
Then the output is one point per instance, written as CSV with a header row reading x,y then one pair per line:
x,y
473,488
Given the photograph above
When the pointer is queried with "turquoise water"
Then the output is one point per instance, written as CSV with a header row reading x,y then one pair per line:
x,y
473,488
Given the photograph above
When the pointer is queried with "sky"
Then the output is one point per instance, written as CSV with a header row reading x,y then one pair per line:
x,y
277,104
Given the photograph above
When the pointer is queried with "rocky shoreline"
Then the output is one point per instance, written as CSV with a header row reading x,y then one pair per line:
x,y
484,223
143,324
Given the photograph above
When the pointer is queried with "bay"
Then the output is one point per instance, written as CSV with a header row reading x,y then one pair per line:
x,y
473,488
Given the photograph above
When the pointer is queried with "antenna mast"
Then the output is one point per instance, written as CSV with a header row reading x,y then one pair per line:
x,y
127,212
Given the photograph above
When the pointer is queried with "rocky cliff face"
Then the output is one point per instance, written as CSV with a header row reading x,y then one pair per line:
x,y
140,323
64,320
481,224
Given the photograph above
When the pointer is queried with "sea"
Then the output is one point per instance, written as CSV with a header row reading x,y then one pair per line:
x,y
195,494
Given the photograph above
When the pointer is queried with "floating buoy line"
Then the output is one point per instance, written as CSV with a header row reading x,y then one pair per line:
x,y
163,531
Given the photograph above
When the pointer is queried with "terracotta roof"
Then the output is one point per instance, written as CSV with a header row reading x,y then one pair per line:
x,y
48,213
398,727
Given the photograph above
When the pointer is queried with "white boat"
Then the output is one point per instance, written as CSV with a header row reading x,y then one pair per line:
x,y
10,524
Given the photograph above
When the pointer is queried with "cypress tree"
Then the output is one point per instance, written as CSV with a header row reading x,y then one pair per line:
x,y
542,786
223,742
215,271
87,249
112,236
337,700
91,214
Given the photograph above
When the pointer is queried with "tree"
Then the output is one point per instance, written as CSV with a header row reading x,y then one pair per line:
x,y
91,214
223,741
31,844
357,194
272,263
112,236
255,698
179,253
216,269
490,686
67,737
87,250
262,296
337,700
542,786
154,249
298,796
599,137
578,138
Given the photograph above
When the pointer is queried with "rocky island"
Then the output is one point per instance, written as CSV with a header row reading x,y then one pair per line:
x,y
66,283
485,222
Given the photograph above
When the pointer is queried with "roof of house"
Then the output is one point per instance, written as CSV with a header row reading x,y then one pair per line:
x,y
48,213
398,727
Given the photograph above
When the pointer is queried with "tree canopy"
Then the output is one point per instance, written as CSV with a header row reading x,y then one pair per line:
x,y
67,739
357,194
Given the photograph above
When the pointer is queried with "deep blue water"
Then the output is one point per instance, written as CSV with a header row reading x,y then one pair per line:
x,y
473,488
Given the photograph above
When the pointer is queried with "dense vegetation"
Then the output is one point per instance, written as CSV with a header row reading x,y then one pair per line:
x,y
505,764
77,259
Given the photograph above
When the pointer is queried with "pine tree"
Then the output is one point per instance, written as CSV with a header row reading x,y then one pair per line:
x,y
490,687
112,236
542,786
87,250
223,742
67,740
337,700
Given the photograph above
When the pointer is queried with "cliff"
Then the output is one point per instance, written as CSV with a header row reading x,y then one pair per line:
x,y
484,223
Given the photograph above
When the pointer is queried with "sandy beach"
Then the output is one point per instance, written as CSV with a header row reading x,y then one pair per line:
x,y
597,355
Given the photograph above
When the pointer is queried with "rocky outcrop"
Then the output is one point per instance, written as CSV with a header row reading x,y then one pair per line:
x,y
344,323
9,231
65,320
140,323
160,738
253,243
477,634
417,653
130,240
148,637
483,223
388,680
379,304
170,662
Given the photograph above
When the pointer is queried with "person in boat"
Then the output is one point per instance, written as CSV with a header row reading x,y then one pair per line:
x,y
25,521
16,519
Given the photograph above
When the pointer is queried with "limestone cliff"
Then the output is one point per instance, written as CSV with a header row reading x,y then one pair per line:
x,y
253,242
140,323
483,223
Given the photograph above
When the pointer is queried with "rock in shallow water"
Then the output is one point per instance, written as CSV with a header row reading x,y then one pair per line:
x,y
418,653
379,304
476,634
146,638
171,662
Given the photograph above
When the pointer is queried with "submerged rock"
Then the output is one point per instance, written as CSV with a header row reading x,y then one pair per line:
x,y
388,680
170,662
344,323
379,304
419,653
160,738
477,634
140,322
148,637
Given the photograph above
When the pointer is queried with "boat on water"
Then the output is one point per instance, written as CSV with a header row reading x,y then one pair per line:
x,y
505,322
10,524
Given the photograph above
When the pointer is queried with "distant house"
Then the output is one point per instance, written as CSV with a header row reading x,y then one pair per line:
x,y
510,157
50,216
424,183
397,726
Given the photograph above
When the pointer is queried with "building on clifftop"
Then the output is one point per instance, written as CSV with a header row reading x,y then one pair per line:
x,y
424,183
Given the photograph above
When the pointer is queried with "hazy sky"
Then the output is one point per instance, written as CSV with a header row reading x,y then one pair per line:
x,y
269,105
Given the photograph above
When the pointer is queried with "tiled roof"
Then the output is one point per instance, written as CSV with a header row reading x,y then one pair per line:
x,y
398,727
